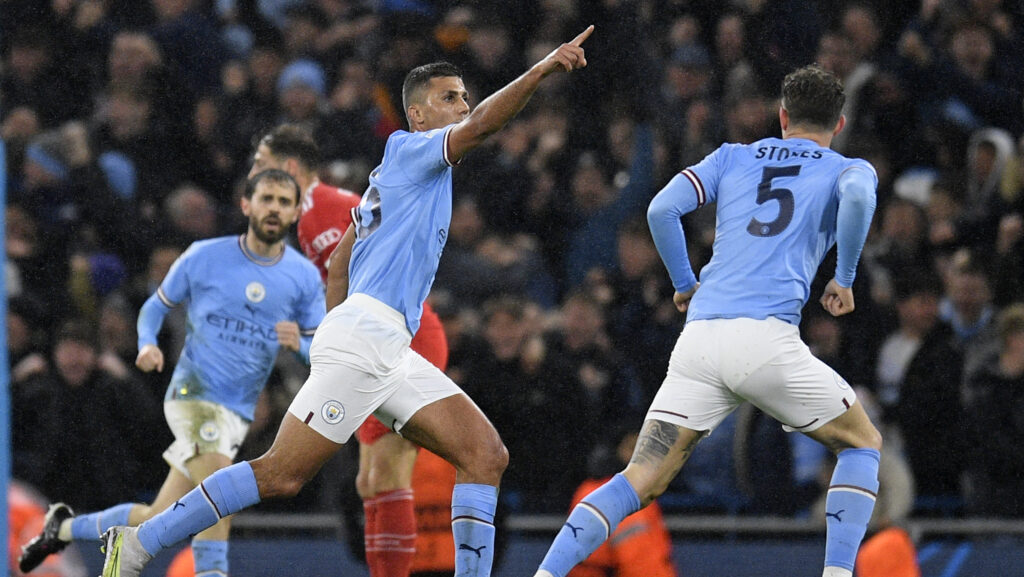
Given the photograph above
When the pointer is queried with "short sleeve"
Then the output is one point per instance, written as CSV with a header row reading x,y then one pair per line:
x,y
313,306
175,287
421,155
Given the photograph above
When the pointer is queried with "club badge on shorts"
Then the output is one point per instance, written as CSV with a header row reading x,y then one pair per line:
x,y
209,431
332,412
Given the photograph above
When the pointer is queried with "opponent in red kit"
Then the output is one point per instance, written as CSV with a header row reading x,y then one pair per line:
x,y
386,460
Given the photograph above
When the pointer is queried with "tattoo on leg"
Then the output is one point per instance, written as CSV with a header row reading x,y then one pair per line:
x,y
656,441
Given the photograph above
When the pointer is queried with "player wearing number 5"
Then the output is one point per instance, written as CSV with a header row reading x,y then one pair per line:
x,y
361,363
781,204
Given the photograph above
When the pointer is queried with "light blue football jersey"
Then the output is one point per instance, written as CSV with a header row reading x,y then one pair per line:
x,y
234,300
402,223
776,219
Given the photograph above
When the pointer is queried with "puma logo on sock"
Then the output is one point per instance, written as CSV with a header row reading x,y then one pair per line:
x,y
464,547
575,530
836,515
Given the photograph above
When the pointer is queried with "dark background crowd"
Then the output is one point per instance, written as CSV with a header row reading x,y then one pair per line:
x,y
130,125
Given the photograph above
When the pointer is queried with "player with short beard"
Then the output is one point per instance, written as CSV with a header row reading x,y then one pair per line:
x,y
248,296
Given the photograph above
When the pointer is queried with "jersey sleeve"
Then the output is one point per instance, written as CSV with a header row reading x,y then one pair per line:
x,y
706,174
421,155
683,194
312,308
856,190
175,287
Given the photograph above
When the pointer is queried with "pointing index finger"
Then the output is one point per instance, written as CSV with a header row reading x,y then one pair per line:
x,y
582,36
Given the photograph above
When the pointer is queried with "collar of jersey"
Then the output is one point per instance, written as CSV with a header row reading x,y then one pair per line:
x,y
257,258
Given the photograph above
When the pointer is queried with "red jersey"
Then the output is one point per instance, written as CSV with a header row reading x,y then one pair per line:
x,y
326,215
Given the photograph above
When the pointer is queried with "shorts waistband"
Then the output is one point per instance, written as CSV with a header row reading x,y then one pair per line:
x,y
384,311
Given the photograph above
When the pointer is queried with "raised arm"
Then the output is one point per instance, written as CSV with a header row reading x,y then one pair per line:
x,y
499,108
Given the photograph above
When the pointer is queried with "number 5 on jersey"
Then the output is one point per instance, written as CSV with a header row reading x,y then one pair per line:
x,y
784,196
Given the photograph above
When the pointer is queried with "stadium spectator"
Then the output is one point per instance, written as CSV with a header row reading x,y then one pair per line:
x,y
612,392
919,374
967,308
301,93
997,472
600,207
190,41
355,126
521,386
27,329
191,215
60,415
641,322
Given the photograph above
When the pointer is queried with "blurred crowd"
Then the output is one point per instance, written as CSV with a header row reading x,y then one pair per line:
x,y
130,125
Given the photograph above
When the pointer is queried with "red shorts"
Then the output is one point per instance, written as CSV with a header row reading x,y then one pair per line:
x,y
432,345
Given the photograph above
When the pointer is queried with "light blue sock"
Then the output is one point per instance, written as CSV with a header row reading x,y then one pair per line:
x,y
93,525
210,558
473,508
223,493
591,522
851,497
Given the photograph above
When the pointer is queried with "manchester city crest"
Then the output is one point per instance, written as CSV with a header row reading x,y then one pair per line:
x,y
209,431
255,292
332,412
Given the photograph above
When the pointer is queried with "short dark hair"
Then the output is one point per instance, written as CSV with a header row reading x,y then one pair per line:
x,y
271,175
419,77
293,141
916,280
813,96
77,331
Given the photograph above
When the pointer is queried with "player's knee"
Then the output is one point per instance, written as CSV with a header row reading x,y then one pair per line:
x,y
651,490
276,482
490,459
284,486
872,440
867,438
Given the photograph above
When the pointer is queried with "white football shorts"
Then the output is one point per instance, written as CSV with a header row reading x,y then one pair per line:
x,y
361,364
199,428
719,363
